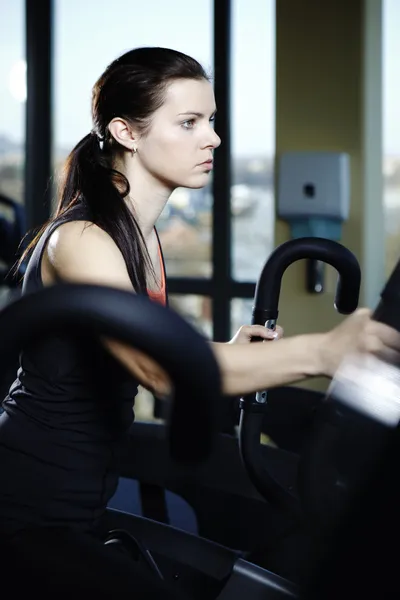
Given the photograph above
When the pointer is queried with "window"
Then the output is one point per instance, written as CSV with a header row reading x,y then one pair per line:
x,y
197,310
13,96
185,233
185,228
253,136
391,130
241,313
12,125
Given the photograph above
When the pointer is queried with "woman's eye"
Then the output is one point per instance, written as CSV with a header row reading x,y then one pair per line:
x,y
188,124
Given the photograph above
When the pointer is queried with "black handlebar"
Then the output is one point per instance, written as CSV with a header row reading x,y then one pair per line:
x,y
147,326
266,309
268,287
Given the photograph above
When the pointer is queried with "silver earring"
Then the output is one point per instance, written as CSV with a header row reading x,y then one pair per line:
x,y
134,150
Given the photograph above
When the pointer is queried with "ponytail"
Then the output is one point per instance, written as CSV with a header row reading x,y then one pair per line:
x,y
90,181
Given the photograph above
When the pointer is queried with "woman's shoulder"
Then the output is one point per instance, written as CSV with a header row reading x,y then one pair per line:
x,y
80,236
81,250
75,225
76,231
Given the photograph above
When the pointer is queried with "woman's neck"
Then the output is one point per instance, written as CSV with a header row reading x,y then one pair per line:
x,y
147,197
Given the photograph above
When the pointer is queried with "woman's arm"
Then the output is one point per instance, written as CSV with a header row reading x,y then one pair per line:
x,y
86,254
248,368
252,367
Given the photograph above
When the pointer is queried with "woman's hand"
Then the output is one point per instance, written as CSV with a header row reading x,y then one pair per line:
x,y
247,332
359,333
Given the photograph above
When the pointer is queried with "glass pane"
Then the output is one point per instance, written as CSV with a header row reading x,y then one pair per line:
x,y
185,233
12,136
13,96
253,136
391,130
241,310
197,310
185,226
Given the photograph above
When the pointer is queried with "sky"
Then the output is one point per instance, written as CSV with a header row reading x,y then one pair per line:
x,y
89,34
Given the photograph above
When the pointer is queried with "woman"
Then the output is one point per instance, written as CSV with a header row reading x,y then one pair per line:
x,y
68,411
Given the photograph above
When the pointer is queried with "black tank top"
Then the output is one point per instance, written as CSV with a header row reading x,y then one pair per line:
x,y
65,420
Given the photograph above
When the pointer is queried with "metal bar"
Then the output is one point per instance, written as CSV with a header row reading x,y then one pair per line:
x,y
197,287
222,174
206,287
38,111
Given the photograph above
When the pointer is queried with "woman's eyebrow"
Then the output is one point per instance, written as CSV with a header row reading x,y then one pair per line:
x,y
196,114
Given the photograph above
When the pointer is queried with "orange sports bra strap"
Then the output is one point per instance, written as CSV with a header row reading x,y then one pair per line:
x,y
162,268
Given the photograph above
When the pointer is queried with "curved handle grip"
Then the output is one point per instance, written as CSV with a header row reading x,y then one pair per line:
x,y
268,287
134,319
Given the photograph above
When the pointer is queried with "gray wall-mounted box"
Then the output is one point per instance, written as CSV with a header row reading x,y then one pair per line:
x,y
314,184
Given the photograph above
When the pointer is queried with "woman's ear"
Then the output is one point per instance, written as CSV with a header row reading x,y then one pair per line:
x,y
122,132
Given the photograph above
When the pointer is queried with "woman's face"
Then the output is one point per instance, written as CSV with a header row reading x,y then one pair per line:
x,y
178,147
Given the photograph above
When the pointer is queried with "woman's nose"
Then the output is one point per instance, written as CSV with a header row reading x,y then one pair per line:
x,y
217,140
213,140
